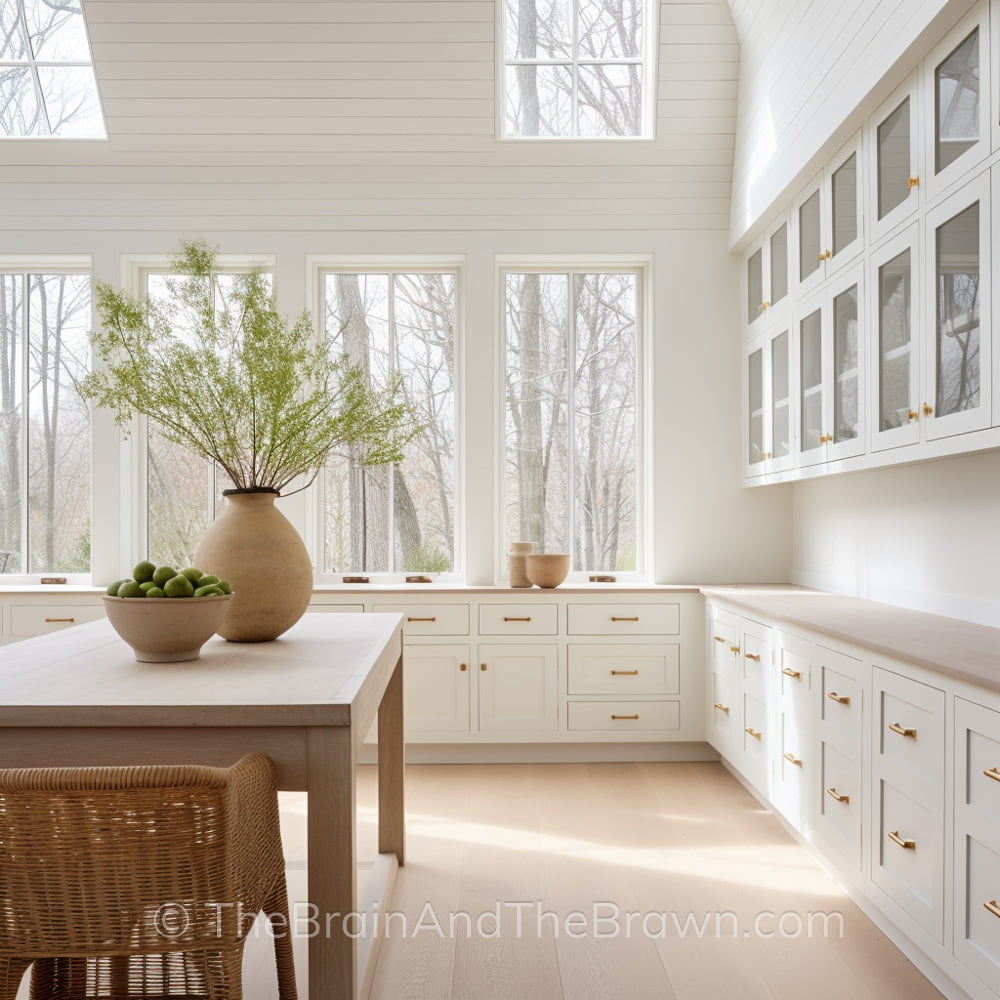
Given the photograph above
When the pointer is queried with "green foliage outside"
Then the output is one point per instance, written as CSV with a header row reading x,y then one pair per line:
x,y
245,388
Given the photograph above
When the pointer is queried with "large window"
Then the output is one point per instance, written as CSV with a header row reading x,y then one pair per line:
x,y
44,425
47,85
396,518
576,68
572,472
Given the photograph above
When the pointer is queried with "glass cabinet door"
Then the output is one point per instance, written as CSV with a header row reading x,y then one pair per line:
x,y
811,433
755,412
755,284
810,236
778,244
957,397
846,373
892,153
781,398
844,195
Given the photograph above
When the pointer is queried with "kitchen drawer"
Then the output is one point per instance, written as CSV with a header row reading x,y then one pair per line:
x,y
909,739
841,706
625,670
911,873
27,620
724,645
755,661
793,769
624,716
755,737
518,619
624,619
977,922
839,808
430,619
977,756
723,723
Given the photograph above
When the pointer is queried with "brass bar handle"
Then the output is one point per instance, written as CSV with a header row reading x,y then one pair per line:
x,y
433,618
756,734
796,675
907,845
463,667
834,794
633,619
993,907
792,759
753,656
721,707
840,699
902,730
507,618
636,716
734,649
68,620
624,673
993,772
719,638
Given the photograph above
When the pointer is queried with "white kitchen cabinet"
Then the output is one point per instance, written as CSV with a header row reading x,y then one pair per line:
x,y
894,161
766,276
795,763
768,403
437,695
724,698
518,688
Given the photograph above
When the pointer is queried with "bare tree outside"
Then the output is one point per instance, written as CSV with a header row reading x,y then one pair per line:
x,y
44,425
397,518
571,432
47,83
574,67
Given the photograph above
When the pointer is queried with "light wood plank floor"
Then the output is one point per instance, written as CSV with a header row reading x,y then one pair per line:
x,y
681,840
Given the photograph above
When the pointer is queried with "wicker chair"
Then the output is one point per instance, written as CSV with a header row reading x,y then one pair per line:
x,y
122,882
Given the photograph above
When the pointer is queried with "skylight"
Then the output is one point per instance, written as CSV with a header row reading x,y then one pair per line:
x,y
47,82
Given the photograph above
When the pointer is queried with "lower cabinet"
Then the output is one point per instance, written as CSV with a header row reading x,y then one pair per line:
x,y
518,688
437,689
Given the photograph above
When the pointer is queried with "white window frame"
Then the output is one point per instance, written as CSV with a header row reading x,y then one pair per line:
x,y
647,59
642,265
52,264
135,269
317,266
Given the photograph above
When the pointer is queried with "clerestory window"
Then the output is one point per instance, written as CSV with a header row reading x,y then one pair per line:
x,y
47,82
577,69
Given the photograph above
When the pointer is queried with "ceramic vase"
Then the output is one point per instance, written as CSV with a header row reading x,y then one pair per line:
x,y
254,547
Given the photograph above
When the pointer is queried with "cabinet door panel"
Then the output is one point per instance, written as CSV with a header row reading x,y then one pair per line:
x,y
977,918
437,681
723,724
624,669
839,818
518,685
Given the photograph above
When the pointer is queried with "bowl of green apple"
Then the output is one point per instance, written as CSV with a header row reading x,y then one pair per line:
x,y
164,614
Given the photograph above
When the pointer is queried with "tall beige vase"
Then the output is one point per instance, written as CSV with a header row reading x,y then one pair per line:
x,y
256,549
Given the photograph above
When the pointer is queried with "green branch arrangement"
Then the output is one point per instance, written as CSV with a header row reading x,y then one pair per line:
x,y
222,373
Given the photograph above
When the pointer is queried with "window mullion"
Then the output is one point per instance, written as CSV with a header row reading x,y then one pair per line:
x,y
25,418
390,469
571,470
575,74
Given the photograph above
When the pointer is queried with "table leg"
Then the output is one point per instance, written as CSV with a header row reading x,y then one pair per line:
x,y
391,831
331,861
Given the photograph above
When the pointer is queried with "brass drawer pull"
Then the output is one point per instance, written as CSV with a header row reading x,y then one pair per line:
x,y
463,667
636,716
907,845
834,794
753,656
992,907
792,759
993,772
616,619
507,618
902,730
482,666
68,620
624,673
796,675
756,734
721,707
431,619
840,699
734,649
719,638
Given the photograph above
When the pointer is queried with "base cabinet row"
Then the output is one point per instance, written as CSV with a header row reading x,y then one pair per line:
x,y
889,770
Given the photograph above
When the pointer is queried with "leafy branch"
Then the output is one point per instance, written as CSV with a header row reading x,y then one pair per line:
x,y
225,375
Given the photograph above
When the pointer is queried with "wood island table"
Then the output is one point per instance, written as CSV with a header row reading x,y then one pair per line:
x,y
307,700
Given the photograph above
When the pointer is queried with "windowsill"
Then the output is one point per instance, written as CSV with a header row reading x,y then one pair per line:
x,y
359,589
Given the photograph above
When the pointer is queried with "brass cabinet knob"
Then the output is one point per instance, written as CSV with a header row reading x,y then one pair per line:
x,y
928,409
912,182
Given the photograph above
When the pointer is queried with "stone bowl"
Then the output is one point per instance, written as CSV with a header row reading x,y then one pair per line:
x,y
546,569
166,629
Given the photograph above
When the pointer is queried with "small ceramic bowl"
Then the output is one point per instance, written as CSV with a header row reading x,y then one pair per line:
x,y
546,569
166,629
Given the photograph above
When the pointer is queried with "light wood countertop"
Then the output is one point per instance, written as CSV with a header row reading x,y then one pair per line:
x,y
950,646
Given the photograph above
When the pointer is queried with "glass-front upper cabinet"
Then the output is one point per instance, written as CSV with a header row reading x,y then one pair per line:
x,y
956,394
893,157
895,355
766,278
830,384
769,403
827,220
957,86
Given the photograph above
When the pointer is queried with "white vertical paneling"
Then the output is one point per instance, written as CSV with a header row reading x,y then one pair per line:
x,y
805,67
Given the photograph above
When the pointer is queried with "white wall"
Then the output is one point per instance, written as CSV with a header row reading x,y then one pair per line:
x,y
922,536
805,67
292,128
